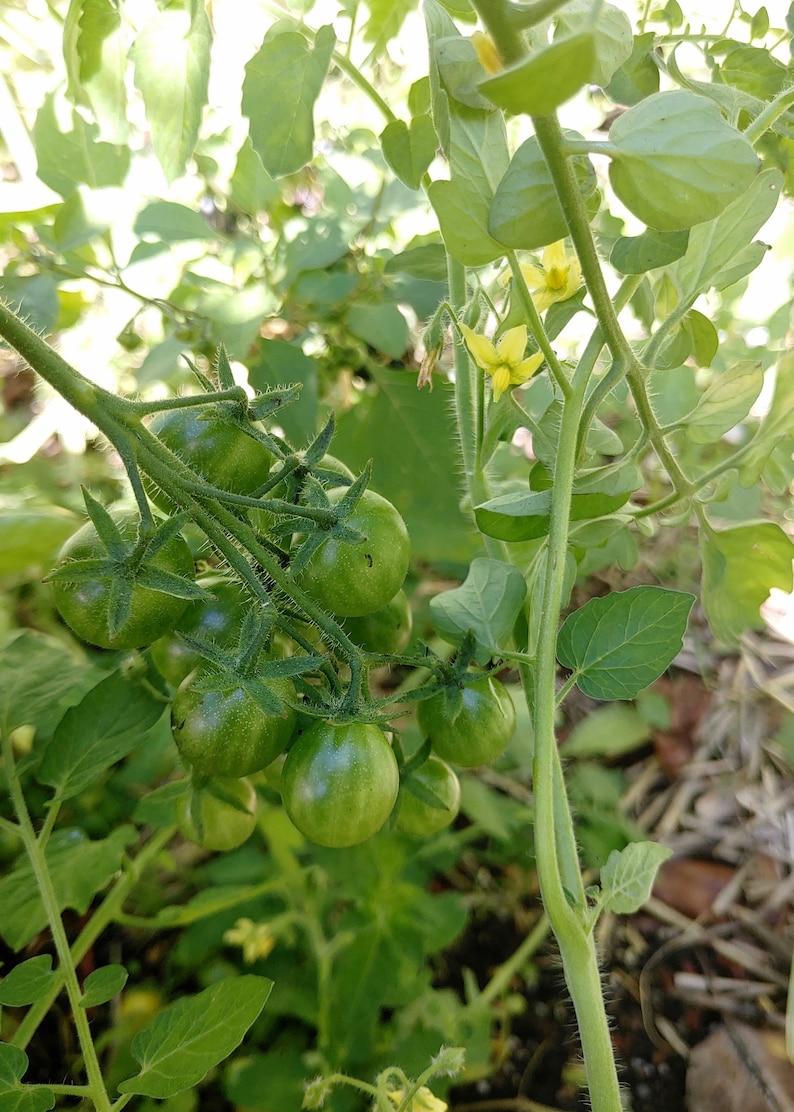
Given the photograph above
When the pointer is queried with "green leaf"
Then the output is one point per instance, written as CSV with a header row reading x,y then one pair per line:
x,y
30,538
104,727
487,603
619,644
102,985
409,435
464,222
268,1081
383,327
628,875
611,34
185,1041
460,71
478,157
278,363
79,869
638,77
754,70
40,679
69,152
725,402
519,516
676,162
421,259
651,249
409,149
740,567
704,336
286,71
607,731
171,57
777,424
171,223
522,516
386,17
711,255
15,1097
27,982
101,47
251,188
526,212
539,84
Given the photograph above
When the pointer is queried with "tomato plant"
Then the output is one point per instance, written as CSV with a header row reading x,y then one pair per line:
x,y
218,814
351,580
225,733
340,782
387,630
419,816
481,729
218,620
84,605
209,442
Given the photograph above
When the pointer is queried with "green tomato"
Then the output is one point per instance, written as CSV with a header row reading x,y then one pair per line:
x,y
220,451
339,783
224,733
351,580
417,817
225,810
218,620
480,732
386,631
84,605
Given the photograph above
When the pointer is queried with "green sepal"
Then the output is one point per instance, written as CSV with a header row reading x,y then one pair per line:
x,y
106,528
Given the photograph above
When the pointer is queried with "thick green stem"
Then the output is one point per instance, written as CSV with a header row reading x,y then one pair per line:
x,y
106,913
49,899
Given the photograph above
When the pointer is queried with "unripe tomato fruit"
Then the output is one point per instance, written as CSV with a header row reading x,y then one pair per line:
x,y
386,631
224,733
223,826
417,817
355,579
340,782
482,729
220,451
217,620
84,606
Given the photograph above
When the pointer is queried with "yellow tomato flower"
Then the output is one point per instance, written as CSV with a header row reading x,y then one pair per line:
x,y
424,1101
558,279
254,939
503,361
489,57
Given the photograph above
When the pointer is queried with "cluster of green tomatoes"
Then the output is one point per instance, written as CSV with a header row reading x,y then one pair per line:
x,y
237,708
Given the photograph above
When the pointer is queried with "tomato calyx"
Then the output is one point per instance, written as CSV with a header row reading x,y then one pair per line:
x,y
318,532
128,564
224,672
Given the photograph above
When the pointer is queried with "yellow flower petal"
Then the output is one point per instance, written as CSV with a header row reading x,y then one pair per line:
x,y
424,1101
501,381
554,256
482,351
489,57
543,298
525,370
574,279
533,276
510,347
